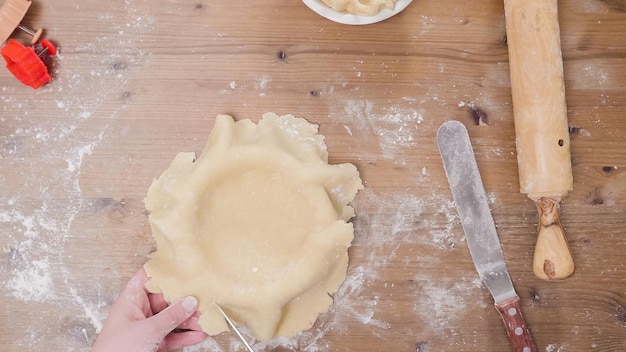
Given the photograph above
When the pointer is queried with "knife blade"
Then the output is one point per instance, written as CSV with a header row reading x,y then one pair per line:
x,y
480,231
232,326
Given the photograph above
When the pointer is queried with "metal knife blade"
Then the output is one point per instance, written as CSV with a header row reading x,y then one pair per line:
x,y
232,325
480,231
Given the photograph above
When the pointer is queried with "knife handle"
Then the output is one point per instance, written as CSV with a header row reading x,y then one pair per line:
x,y
515,324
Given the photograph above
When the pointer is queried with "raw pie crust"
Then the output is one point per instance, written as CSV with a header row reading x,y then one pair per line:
x,y
258,224
360,7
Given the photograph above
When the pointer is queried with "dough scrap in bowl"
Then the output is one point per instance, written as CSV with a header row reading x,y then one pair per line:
x,y
336,11
360,7
258,224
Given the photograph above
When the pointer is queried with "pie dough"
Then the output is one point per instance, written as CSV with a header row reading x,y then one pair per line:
x,y
360,7
258,224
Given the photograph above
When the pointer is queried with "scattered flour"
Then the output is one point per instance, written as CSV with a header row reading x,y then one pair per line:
x,y
262,84
37,216
396,127
32,282
206,345
555,348
442,302
428,23
91,309
598,74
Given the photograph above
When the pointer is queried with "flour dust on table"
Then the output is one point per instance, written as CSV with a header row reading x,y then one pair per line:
x,y
39,215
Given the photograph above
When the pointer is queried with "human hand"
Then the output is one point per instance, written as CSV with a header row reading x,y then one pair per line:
x,y
141,321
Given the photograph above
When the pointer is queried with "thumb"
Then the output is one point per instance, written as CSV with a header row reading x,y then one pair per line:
x,y
171,317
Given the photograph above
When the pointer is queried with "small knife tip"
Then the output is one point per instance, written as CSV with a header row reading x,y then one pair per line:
x,y
232,325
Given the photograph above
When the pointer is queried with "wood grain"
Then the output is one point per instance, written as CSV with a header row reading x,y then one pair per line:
x,y
138,81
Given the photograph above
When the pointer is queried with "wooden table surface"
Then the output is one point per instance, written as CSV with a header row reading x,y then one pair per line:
x,y
137,81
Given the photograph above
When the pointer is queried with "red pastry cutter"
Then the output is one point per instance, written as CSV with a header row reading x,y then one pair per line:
x,y
27,65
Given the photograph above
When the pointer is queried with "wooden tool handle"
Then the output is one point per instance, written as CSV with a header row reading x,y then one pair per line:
x,y
553,259
515,324
11,14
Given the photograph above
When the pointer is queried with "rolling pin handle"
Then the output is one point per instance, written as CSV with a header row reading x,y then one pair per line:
x,y
553,258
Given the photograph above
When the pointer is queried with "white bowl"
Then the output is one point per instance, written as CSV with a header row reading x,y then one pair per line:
x,y
341,17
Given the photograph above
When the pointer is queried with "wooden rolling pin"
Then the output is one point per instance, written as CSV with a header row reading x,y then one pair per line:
x,y
541,129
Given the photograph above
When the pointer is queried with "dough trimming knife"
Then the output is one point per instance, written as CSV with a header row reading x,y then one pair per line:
x,y
232,325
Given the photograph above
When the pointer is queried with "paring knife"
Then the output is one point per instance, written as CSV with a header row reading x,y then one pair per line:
x,y
480,231
232,325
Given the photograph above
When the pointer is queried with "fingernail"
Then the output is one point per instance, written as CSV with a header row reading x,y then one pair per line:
x,y
190,304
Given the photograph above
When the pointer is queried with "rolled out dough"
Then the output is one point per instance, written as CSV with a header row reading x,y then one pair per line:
x,y
258,224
